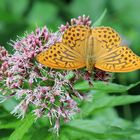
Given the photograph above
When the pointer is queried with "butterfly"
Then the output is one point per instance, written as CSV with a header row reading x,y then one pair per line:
x,y
83,46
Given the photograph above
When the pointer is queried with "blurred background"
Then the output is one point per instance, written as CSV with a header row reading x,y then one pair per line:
x,y
20,16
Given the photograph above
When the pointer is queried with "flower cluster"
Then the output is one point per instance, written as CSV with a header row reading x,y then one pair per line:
x,y
81,20
3,62
49,91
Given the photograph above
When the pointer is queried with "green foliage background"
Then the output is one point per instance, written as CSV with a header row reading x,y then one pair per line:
x,y
113,113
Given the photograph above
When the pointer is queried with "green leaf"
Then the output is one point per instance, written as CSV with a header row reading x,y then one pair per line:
x,y
111,101
23,127
69,75
133,85
99,20
33,134
9,125
9,104
90,7
100,103
100,86
103,86
102,130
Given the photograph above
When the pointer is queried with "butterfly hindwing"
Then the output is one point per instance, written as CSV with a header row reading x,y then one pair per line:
x,y
121,59
60,56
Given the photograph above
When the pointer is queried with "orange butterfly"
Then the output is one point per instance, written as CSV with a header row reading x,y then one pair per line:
x,y
83,46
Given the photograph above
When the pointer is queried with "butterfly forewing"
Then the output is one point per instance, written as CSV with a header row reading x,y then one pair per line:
x,y
75,34
107,37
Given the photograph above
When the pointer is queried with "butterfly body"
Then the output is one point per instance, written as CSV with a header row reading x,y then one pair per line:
x,y
89,53
82,46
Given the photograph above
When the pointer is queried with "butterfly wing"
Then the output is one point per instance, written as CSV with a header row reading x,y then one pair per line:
x,y
68,54
75,34
60,56
107,37
120,59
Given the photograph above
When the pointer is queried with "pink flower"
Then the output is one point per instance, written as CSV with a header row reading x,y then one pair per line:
x,y
3,63
81,20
